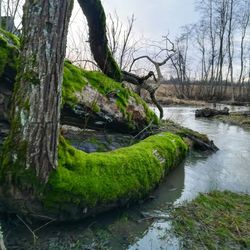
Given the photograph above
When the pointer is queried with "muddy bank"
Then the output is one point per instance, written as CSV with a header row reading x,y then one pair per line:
x,y
241,119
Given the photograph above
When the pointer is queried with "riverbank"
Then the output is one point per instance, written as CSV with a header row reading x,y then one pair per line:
x,y
236,118
174,101
214,220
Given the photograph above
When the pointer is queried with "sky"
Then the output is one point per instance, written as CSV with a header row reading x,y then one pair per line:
x,y
154,18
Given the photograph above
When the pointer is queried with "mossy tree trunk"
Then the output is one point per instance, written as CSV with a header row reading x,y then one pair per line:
x,y
33,139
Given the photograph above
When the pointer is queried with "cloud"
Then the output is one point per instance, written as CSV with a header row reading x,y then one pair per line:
x,y
155,18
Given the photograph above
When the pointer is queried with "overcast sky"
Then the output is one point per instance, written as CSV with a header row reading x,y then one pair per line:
x,y
154,18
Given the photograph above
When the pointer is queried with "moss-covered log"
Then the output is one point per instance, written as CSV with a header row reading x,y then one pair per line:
x,y
93,100
86,184
90,99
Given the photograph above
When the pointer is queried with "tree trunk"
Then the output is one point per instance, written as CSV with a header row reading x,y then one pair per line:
x,y
33,139
96,18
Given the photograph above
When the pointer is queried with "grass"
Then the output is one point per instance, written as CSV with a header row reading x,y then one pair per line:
x,y
218,220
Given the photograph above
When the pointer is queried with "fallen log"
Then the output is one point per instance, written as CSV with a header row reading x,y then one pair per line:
x,y
197,143
91,101
207,112
84,184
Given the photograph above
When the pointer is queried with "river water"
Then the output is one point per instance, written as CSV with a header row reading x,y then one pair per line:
x,y
146,225
227,169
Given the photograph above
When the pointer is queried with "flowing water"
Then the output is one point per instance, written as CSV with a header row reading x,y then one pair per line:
x,y
227,169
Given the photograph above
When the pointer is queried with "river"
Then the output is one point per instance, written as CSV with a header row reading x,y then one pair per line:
x,y
227,169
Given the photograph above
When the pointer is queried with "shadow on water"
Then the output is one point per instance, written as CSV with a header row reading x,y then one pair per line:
x,y
146,225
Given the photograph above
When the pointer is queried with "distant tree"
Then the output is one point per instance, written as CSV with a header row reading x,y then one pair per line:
x,y
244,23
10,13
120,40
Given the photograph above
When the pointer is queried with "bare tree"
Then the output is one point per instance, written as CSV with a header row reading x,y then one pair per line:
x,y
11,12
179,62
200,36
230,42
222,15
244,21
157,65
120,40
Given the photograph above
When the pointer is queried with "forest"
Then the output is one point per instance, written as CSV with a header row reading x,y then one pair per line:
x,y
112,140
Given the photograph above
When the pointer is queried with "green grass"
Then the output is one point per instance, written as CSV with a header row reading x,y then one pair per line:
x,y
218,220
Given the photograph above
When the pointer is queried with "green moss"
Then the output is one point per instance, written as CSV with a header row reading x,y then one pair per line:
x,y
99,178
8,50
149,113
75,79
219,220
95,107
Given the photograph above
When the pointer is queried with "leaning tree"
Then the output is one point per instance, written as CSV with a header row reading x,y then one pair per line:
x,y
96,18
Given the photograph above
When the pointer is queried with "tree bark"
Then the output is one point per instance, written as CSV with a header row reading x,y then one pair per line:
x,y
96,18
33,138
